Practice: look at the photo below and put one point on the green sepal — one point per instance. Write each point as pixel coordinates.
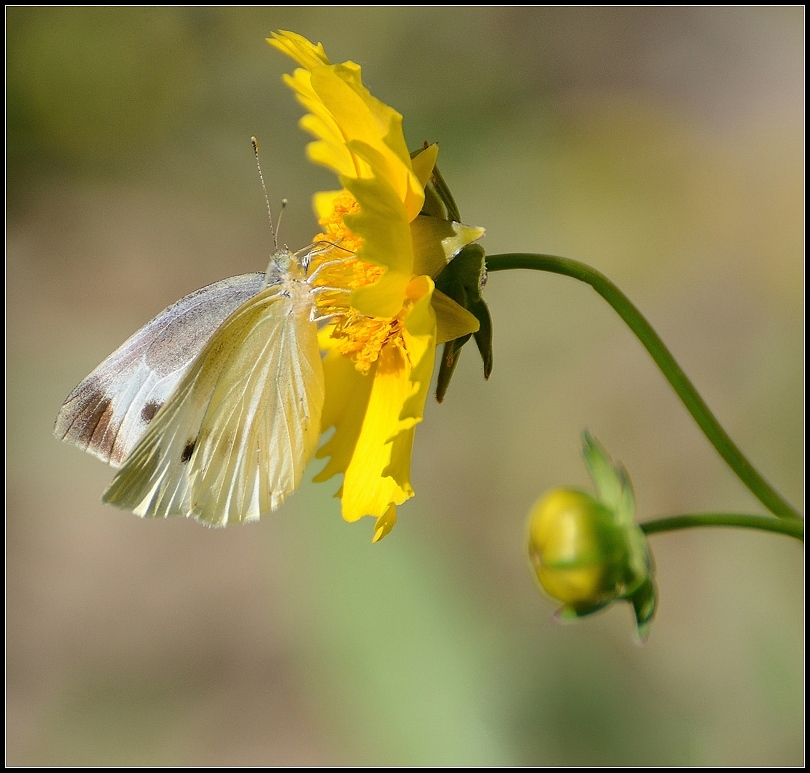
(462, 280)
(644, 601)
(571, 614)
(612, 483)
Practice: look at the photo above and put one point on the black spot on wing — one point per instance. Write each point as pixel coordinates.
(188, 451)
(149, 410)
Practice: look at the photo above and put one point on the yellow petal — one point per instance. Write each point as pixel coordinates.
(392, 169)
(462, 236)
(385, 523)
(358, 135)
(375, 415)
(330, 149)
(383, 298)
(427, 233)
(347, 395)
(298, 48)
(419, 336)
(367, 489)
(436, 241)
(423, 164)
(382, 223)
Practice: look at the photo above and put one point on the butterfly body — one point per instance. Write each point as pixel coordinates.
(213, 408)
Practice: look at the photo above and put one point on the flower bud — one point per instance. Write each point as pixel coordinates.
(588, 552)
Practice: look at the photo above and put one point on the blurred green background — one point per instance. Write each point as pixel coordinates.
(664, 146)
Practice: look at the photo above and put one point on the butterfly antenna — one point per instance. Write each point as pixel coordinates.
(255, 143)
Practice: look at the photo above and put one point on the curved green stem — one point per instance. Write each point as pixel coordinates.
(694, 403)
(788, 526)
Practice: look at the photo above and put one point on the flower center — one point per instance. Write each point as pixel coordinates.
(357, 336)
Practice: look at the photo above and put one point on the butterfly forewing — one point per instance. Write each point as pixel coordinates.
(234, 439)
(108, 413)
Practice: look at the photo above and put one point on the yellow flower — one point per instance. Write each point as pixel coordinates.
(376, 261)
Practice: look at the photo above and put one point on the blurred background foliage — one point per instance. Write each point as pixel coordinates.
(664, 146)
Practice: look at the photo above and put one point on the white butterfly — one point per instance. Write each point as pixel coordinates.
(212, 409)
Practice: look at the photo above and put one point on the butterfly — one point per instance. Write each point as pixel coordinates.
(213, 409)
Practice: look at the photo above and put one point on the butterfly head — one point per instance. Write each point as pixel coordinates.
(285, 266)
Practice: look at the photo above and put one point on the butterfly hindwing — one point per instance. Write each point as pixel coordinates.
(108, 413)
(244, 421)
